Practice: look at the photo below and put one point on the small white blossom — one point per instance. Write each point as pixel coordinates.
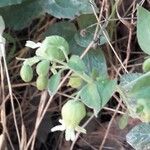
(32, 44)
(69, 132)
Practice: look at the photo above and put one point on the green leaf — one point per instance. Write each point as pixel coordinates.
(86, 20)
(87, 24)
(76, 64)
(123, 121)
(95, 95)
(139, 137)
(143, 30)
(21, 15)
(106, 89)
(90, 96)
(53, 83)
(95, 60)
(135, 89)
(70, 9)
(127, 78)
(64, 29)
(85, 39)
(141, 87)
(4, 3)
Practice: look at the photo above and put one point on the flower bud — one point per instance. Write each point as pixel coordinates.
(72, 113)
(42, 67)
(75, 81)
(53, 47)
(41, 82)
(26, 73)
(146, 65)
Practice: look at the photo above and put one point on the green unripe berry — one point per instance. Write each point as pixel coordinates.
(42, 67)
(26, 73)
(75, 81)
(41, 82)
(146, 65)
(72, 113)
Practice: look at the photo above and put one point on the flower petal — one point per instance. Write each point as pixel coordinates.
(80, 129)
(67, 135)
(58, 128)
(72, 135)
(32, 44)
(61, 121)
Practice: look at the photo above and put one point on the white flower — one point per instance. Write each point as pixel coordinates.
(32, 44)
(69, 132)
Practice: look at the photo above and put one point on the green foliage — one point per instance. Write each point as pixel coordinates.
(69, 9)
(64, 29)
(141, 87)
(95, 95)
(143, 32)
(84, 39)
(127, 78)
(135, 89)
(65, 38)
(90, 96)
(76, 64)
(95, 60)
(106, 88)
(21, 15)
(53, 83)
(86, 21)
(4, 3)
(138, 137)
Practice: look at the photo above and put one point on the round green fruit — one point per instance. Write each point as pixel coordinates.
(72, 113)
(42, 67)
(53, 47)
(26, 73)
(41, 82)
(75, 81)
(146, 65)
